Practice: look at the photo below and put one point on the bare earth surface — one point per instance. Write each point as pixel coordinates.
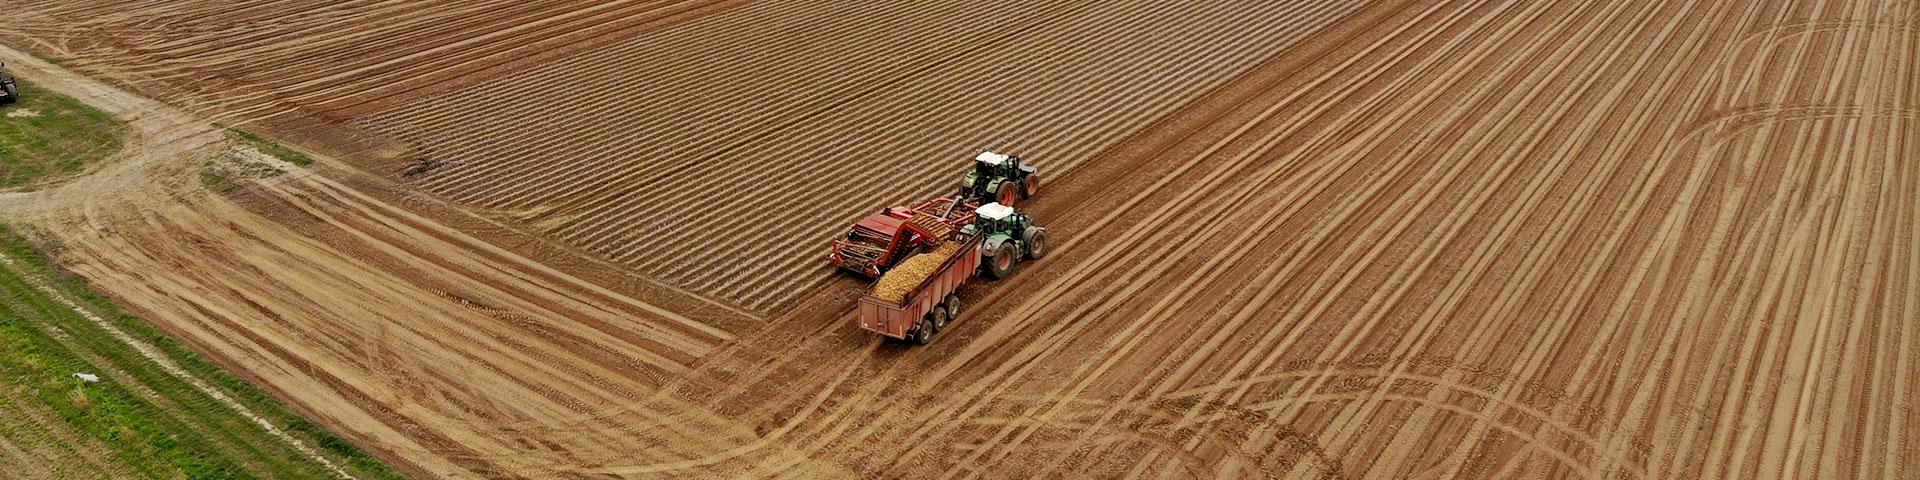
(1404, 238)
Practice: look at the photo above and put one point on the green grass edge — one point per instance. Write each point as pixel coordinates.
(135, 427)
(67, 118)
(273, 148)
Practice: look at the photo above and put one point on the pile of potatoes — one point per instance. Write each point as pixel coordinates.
(898, 282)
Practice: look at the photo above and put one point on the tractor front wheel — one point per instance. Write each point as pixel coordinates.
(1000, 263)
(1035, 240)
(1029, 187)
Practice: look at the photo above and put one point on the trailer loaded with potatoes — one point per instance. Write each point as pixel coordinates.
(918, 298)
(921, 257)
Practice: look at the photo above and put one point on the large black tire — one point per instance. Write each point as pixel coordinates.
(12, 95)
(1001, 261)
(939, 318)
(1005, 193)
(953, 306)
(1035, 242)
(922, 335)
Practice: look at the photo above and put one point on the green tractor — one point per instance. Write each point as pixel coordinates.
(1004, 179)
(1006, 239)
(9, 92)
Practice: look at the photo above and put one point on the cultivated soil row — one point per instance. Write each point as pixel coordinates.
(1398, 239)
(722, 167)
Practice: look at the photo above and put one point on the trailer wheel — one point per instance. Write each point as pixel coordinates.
(953, 307)
(938, 318)
(1035, 241)
(1000, 264)
(921, 335)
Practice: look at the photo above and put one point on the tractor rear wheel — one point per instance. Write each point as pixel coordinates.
(1035, 240)
(1000, 264)
(1005, 193)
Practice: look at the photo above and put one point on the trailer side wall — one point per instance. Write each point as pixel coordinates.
(895, 320)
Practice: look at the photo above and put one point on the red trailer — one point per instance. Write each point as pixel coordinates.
(928, 307)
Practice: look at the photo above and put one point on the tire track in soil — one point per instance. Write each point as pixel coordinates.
(1191, 191)
(783, 236)
(760, 369)
(1671, 256)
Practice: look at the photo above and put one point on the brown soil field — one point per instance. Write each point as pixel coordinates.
(1392, 239)
(826, 109)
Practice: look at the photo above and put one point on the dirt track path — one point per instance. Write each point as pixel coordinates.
(1441, 238)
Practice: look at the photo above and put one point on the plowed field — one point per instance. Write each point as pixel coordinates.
(1393, 239)
(635, 150)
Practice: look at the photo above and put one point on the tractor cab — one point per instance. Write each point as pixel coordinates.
(1007, 238)
(996, 217)
(1000, 178)
(9, 92)
(990, 164)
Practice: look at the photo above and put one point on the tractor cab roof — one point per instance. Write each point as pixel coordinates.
(994, 211)
(991, 158)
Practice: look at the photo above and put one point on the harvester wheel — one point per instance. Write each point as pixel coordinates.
(1035, 239)
(953, 307)
(1000, 264)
